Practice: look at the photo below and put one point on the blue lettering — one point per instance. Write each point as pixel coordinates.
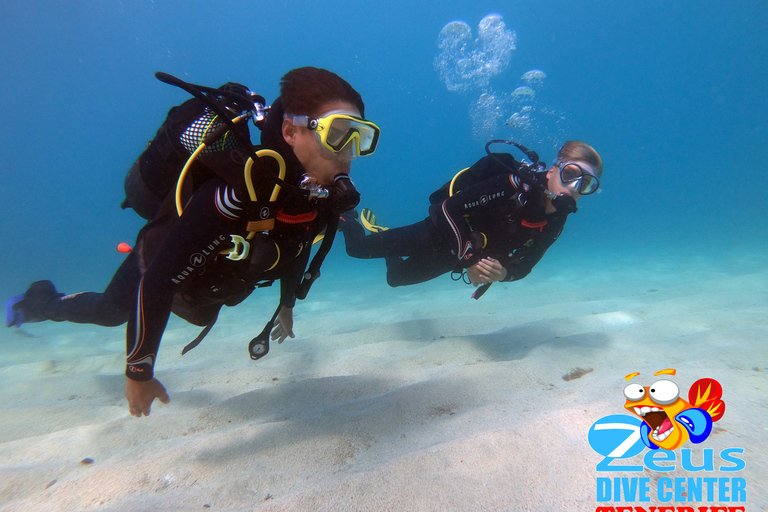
(629, 486)
(663, 494)
(710, 481)
(738, 489)
(694, 489)
(645, 489)
(722, 489)
(708, 463)
(603, 489)
(726, 456)
(632, 488)
(679, 489)
(651, 457)
(605, 465)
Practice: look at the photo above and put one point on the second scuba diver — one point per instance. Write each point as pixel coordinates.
(494, 220)
(270, 202)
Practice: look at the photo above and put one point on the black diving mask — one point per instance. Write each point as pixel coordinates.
(578, 177)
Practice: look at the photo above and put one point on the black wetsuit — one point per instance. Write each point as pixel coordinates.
(177, 263)
(509, 214)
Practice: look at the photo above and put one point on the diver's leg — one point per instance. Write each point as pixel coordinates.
(108, 309)
(392, 243)
(112, 307)
(418, 268)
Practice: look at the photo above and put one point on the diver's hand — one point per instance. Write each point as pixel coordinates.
(283, 325)
(486, 271)
(141, 394)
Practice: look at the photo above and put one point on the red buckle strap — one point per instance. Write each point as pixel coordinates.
(296, 219)
(539, 225)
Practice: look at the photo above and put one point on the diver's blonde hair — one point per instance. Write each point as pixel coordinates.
(575, 150)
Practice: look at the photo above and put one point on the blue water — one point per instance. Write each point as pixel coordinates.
(669, 93)
(664, 267)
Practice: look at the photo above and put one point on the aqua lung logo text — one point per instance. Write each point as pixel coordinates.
(264, 213)
(483, 200)
(198, 259)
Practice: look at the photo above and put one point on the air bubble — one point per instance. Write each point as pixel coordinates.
(464, 63)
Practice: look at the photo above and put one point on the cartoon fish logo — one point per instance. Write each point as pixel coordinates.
(668, 420)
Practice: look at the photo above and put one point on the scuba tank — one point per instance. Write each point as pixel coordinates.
(156, 172)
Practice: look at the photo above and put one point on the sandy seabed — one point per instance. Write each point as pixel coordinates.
(409, 399)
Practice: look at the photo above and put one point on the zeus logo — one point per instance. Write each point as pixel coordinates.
(616, 437)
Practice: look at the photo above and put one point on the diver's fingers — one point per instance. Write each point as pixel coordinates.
(490, 267)
(280, 333)
(485, 270)
(286, 334)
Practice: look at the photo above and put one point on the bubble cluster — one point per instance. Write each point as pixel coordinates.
(534, 76)
(485, 114)
(517, 115)
(465, 63)
(524, 92)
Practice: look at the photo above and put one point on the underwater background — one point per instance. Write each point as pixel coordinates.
(411, 398)
(671, 94)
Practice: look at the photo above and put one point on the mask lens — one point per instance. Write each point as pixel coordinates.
(588, 185)
(344, 129)
(587, 182)
(570, 172)
(339, 132)
(368, 139)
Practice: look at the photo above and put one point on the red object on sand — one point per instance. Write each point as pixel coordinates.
(123, 247)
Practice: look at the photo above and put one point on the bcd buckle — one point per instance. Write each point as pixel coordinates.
(241, 249)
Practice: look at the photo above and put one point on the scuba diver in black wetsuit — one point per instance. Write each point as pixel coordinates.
(494, 220)
(270, 202)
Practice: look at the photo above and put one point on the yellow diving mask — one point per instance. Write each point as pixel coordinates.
(336, 131)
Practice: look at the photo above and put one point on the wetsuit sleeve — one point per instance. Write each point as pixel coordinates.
(523, 259)
(450, 215)
(188, 250)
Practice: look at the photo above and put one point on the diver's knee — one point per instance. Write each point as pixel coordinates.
(394, 280)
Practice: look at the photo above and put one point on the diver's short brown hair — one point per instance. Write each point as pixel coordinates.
(305, 90)
(575, 150)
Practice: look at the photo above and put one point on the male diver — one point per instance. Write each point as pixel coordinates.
(239, 216)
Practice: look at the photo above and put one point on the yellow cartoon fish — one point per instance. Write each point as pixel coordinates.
(664, 413)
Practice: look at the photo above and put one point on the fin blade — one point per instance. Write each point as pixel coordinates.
(368, 220)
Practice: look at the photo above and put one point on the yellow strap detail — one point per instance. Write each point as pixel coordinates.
(254, 226)
(248, 175)
(185, 170)
(207, 127)
(277, 259)
(450, 188)
(259, 225)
